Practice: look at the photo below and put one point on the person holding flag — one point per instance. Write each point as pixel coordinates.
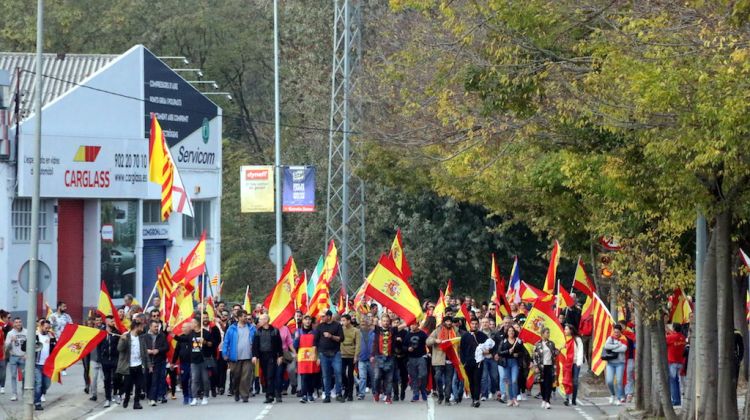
(443, 367)
(45, 344)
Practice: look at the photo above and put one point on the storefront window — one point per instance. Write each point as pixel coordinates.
(118, 234)
(21, 219)
(152, 212)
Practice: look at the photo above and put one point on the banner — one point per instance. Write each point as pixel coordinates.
(299, 189)
(256, 189)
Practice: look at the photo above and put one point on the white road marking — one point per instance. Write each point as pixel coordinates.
(583, 414)
(430, 408)
(103, 412)
(265, 412)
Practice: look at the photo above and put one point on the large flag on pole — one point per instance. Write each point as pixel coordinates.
(541, 315)
(679, 312)
(582, 281)
(439, 311)
(76, 341)
(498, 295)
(398, 256)
(603, 326)
(386, 285)
(554, 260)
(163, 171)
(320, 301)
(280, 302)
(330, 264)
(312, 281)
(193, 266)
(107, 308)
(514, 288)
(247, 304)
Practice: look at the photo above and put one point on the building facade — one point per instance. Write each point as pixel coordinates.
(99, 216)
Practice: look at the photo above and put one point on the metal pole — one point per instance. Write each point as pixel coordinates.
(700, 256)
(277, 138)
(345, 167)
(28, 383)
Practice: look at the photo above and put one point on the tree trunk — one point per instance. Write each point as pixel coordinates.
(640, 369)
(646, 363)
(706, 335)
(739, 288)
(727, 386)
(688, 401)
(660, 366)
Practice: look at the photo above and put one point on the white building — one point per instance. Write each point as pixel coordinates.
(99, 214)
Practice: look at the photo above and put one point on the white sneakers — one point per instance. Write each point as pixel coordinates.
(547, 406)
(43, 398)
(2, 390)
(14, 397)
(193, 401)
(204, 401)
(152, 403)
(106, 403)
(618, 402)
(611, 399)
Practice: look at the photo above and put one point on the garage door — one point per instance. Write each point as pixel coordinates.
(70, 257)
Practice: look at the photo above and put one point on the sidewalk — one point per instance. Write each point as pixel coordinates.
(64, 401)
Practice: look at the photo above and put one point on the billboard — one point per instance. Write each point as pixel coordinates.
(298, 189)
(87, 167)
(256, 189)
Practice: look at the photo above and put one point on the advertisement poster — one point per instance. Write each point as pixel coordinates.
(256, 189)
(299, 189)
(119, 221)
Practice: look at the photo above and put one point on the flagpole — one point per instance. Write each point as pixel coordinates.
(153, 290)
(277, 138)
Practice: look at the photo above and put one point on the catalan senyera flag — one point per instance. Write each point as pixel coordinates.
(215, 280)
(247, 304)
(386, 285)
(603, 326)
(440, 306)
(106, 308)
(582, 281)
(280, 302)
(541, 315)
(75, 342)
(193, 266)
(320, 301)
(341, 305)
(164, 283)
(451, 349)
(679, 312)
(163, 171)
(330, 264)
(398, 256)
(514, 288)
(554, 260)
(499, 293)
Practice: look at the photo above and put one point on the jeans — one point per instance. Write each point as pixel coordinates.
(444, 380)
(347, 366)
(458, 387)
(490, 377)
(41, 383)
(108, 373)
(576, 373)
(510, 372)
(2, 370)
(185, 381)
(501, 380)
(630, 373)
(331, 366)
(674, 382)
(199, 379)
(97, 368)
(14, 364)
(400, 376)
(384, 367)
(365, 371)
(614, 371)
(157, 379)
(417, 367)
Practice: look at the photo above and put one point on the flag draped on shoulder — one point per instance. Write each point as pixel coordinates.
(386, 285)
(603, 326)
(582, 281)
(554, 260)
(76, 341)
(280, 302)
(106, 308)
(398, 256)
(163, 171)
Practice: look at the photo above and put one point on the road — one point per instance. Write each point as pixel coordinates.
(362, 410)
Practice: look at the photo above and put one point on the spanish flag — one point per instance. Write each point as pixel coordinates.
(439, 311)
(529, 293)
(182, 308)
(550, 280)
(398, 256)
(463, 312)
(449, 289)
(330, 264)
(300, 293)
(280, 302)
(603, 326)
(386, 285)
(680, 309)
(451, 349)
(193, 266)
(564, 299)
(582, 281)
(106, 308)
(247, 304)
(163, 171)
(542, 315)
(76, 341)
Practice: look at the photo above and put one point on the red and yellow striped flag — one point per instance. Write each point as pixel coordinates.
(549, 281)
(498, 295)
(603, 326)
(107, 308)
(321, 300)
(163, 171)
(76, 341)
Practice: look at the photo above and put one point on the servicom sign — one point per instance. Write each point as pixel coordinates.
(187, 117)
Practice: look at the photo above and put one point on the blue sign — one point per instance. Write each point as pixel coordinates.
(299, 189)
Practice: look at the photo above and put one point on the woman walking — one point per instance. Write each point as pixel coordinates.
(572, 334)
(512, 353)
(545, 356)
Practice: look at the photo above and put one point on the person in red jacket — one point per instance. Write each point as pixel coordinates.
(676, 358)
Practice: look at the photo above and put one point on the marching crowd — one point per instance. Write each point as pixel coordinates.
(339, 358)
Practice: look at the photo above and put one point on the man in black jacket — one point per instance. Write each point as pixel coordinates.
(469, 343)
(267, 347)
(328, 338)
(107, 356)
(157, 351)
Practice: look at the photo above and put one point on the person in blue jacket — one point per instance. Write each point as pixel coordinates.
(238, 352)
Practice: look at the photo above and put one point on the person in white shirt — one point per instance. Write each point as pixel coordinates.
(45, 343)
(13, 342)
(572, 334)
(133, 362)
(59, 319)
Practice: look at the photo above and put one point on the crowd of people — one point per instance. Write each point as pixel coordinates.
(335, 357)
